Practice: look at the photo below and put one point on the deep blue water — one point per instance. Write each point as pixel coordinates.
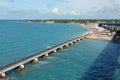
(87, 60)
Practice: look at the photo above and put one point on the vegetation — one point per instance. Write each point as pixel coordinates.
(81, 21)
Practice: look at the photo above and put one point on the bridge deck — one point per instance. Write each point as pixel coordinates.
(14, 65)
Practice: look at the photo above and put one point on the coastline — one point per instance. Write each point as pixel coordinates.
(97, 32)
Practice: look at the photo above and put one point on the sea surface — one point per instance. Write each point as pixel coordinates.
(86, 60)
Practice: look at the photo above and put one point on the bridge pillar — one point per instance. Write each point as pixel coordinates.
(21, 67)
(78, 40)
(84, 37)
(67, 45)
(70, 44)
(45, 55)
(54, 51)
(35, 60)
(60, 48)
(81, 38)
(74, 42)
(2, 75)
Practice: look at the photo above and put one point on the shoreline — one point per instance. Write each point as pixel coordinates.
(97, 33)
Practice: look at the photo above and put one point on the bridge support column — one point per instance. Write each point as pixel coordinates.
(61, 48)
(2, 75)
(78, 40)
(54, 51)
(74, 42)
(45, 55)
(35, 60)
(70, 44)
(67, 45)
(81, 38)
(21, 67)
(84, 37)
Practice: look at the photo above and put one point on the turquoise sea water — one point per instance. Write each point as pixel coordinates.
(19, 39)
(87, 60)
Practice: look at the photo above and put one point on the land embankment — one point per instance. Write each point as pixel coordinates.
(98, 32)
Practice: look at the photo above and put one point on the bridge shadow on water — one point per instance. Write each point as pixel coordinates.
(103, 68)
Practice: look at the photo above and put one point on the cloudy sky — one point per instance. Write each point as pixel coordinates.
(59, 9)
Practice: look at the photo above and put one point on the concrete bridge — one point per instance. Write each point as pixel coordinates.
(20, 64)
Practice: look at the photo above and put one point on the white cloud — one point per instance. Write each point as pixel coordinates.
(76, 13)
(64, 12)
(56, 11)
(62, 8)
(112, 9)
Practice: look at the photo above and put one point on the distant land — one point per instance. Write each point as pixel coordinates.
(79, 21)
(111, 25)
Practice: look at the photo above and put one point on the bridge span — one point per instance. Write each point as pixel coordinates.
(20, 64)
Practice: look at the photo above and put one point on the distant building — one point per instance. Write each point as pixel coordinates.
(50, 22)
(110, 26)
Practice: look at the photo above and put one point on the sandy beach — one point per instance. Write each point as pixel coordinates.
(97, 32)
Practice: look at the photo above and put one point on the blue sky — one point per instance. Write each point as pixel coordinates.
(59, 9)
